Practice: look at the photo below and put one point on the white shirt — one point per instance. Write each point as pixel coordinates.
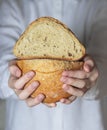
(88, 20)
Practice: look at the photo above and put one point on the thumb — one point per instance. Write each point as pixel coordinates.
(15, 71)
(88, 64)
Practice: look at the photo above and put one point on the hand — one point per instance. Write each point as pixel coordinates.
(17, 83)
(77, 82)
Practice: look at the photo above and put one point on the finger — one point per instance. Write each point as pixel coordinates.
(12, 80)
(19, 84)
(35, 101)
(74, 82)
(17, 91)
(78, 83)
(51, 104)
(88, 65)
(15, 71)
(69, 100)
(72, 90)
(80, 74)
(94, 75)
(28, 91)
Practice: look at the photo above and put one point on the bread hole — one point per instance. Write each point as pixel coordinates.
(54, 34)
(76, 50)
(54, 46)
(74, 45)
(19, 51)
(47, 23)
(80, 50)
(70, 54)
(63, 56)
(34, 49)
(45, 39)
(21, 54)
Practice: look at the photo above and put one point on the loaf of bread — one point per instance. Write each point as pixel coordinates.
(48, 47)
(48, 73)
(48, 38)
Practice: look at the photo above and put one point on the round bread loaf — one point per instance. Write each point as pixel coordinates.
(48, 47)
(48, 73)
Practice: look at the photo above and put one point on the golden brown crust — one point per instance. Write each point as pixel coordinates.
(48, 73)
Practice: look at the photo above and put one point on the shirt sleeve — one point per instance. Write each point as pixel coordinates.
(11, 27)
(96, 39)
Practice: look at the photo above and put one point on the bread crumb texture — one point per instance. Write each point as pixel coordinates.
(47, 37)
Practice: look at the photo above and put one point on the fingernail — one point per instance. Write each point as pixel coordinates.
(62, 100)
(64, 73)
(40, 97)
(53, 105)
(87, 68)
(62, 79)
(30, 74)
(17, 73)
(34, 85)
(65, 87)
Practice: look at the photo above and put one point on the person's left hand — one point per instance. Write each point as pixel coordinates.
(77, 82)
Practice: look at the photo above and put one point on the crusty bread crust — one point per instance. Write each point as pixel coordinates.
(48, 41)
(48, 47)
(48, 73)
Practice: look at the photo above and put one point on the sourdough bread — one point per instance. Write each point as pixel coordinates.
(48, 47)
(47, 37)
(48, 73)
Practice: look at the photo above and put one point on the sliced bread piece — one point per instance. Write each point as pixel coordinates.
(47, 37)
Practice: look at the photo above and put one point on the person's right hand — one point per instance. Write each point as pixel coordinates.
(17, 82)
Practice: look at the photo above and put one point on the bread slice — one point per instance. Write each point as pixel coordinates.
(47, 37)
(48, 73)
